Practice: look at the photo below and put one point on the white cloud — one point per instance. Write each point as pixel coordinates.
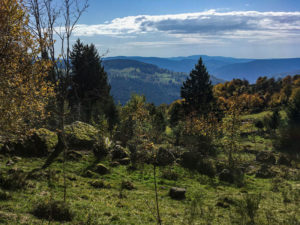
(207, 23)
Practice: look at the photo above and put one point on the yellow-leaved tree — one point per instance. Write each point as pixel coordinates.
(24, 90)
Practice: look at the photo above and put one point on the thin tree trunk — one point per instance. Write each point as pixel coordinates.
(156, 196)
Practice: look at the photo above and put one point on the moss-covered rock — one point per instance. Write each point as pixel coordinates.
(101, 169)
(81, 135)
(40, 143)
(164, 157)
(48, 137)
(118, 152)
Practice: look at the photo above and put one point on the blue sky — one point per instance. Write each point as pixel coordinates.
(164, 28)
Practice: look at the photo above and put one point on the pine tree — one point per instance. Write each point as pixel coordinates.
(274, 120)
(289, 140)
(197, 90)
(90, 94)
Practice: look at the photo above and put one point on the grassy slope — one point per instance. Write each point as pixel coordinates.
(104, 206)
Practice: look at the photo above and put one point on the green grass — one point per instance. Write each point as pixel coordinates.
(262, 115)
(104, 206)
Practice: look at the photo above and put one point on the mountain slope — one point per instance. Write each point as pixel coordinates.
(225, 68)
(158, 85)
(184, 64)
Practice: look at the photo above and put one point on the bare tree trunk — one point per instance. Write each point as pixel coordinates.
(156, 195)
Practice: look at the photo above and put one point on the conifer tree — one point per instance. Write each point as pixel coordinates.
(289, 140)
(197, 90)
(90, 89)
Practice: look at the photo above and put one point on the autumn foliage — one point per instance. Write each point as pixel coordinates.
(24, 91)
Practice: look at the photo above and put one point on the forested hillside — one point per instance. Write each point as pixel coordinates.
(128, 77)
(226, 68)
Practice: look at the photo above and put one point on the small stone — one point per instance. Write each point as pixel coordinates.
(74, 155)
(127, 185)
(125, 161)
(16, 158)
(89, 174)
(101, 169)
(226, 176)
(114, 164)
(119, 152)
(177, 193)
(266, 157)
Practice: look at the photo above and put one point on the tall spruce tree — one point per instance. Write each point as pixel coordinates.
(90, 93)
(289, 140)
(197, 90)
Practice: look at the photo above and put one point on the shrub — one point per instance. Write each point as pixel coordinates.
(13, 181)
(99, 184)
(248, 207)
(170, 175)
(127, 185)
(53, 210)
(206, 167)
(100, 150)
(4, 195)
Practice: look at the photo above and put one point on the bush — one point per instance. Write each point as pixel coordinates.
(289, 139)
(16, 179)
(99, 184)
(127, 185)
(4, 195)
(170, 175)
(206, 167)
(248, 207)
(100, 150)
(53, 210)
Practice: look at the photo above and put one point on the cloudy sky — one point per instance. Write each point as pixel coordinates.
(166, 28)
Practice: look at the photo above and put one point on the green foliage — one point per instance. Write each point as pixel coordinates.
(4, 195)
(247, 208)
(89, 95)
(273, 122)
(197, 90)
(289, 140)
(15, 180)
(53, 210)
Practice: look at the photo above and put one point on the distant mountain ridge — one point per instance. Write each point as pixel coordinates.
(262, 67)
(225, 68)
(184, 64)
